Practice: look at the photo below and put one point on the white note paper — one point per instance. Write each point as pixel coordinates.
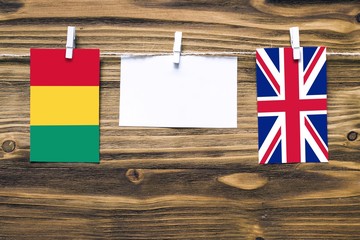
(200, 92)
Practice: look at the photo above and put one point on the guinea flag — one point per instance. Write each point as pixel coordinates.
(64, 105)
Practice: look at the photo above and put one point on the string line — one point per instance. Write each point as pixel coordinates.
(129, 54)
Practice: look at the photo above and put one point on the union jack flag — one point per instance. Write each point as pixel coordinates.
(292, 108)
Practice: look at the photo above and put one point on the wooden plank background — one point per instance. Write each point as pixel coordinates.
(179, 183)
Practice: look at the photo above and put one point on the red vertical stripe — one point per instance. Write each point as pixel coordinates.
(292, 113)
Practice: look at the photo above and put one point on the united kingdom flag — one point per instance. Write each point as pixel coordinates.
(292, 108)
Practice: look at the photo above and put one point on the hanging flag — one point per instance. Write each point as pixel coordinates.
(64, 105)
(292, 108)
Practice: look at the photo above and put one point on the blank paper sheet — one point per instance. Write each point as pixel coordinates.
(200, 92)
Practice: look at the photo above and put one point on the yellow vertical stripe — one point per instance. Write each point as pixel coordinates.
(63, 105)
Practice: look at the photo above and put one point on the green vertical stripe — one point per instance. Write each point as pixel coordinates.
(64, 143)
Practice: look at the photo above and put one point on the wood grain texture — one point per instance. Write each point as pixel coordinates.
(166, 183)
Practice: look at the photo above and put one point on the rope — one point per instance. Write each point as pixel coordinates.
(127, 54)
